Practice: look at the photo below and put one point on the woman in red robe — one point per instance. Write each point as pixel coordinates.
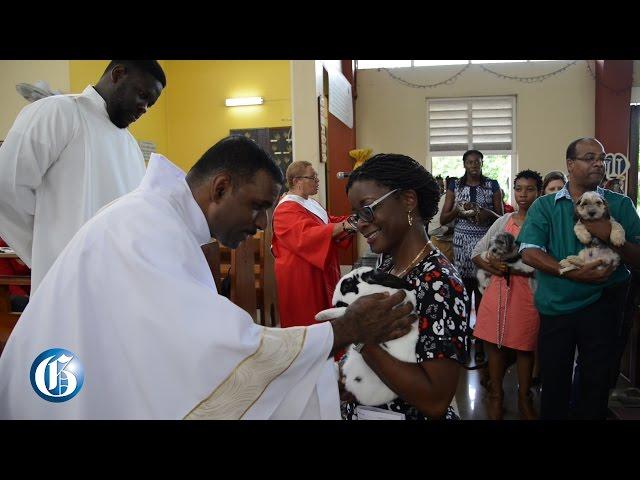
(305, 246)
(18, 294)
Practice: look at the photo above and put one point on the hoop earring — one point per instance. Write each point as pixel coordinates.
(410, 218)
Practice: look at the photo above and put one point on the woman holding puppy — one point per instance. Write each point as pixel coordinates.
(507, 319)
(474, 202)
(393, 198)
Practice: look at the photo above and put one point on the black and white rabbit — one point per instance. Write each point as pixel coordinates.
(360, 380)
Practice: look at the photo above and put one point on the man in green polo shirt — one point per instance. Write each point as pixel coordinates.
(583, 307)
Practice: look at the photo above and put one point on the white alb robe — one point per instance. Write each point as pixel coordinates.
(61, 162)
(133, 297)
(308, 203)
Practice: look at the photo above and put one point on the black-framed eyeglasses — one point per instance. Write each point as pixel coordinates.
(366, 213)
(315, 177)
(591, 158)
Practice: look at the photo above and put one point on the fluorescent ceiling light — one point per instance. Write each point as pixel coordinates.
(364, 64)
(435, 63)
(497, 61)
(241, 101)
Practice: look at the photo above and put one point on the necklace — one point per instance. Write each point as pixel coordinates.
(501, 328)
(420, 253)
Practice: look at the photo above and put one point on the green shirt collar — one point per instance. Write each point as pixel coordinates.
(564, 193)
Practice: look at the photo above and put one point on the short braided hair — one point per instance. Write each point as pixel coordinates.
(402, 172)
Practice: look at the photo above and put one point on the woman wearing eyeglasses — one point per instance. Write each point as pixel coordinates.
(305, 246)
(393, 198)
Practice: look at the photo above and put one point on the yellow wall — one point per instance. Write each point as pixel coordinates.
(392, 117)
(196, 115)
(12, 72)
(152, 126)
(190, 115)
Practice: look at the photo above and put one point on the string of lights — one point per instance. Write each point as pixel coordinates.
(448, 81)
(532, 79)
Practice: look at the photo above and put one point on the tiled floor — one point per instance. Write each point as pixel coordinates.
(471, 398)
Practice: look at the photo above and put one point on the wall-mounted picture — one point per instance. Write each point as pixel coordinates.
(275, 140)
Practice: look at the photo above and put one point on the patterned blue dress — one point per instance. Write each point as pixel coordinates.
(466, 234)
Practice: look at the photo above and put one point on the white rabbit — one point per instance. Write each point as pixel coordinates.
(360, 380)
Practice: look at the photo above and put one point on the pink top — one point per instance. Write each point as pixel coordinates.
(508, 312)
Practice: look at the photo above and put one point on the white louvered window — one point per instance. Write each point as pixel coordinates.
(482, 123)
(455, 125)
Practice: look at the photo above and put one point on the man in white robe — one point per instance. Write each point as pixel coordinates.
(133, 300)
(67, 156)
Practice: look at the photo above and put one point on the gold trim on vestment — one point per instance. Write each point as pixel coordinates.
(244, 386)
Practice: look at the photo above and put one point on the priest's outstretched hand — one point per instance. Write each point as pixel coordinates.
(373, 319)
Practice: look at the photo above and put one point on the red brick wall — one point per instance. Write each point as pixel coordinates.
(614, 79)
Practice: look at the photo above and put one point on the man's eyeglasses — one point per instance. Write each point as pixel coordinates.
(591, 158)
(366, 213)
(315, 177)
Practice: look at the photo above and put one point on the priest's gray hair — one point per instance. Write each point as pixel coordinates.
(237, 155)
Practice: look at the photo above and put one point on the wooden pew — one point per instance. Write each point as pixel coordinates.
(243, 276)
(251, 267)
(212, 254)
(268, 293)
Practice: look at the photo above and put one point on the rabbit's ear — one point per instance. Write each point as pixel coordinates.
(330, 314)
(379, 277)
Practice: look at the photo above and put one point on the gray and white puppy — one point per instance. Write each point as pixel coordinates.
(503, 246)
(591, 206)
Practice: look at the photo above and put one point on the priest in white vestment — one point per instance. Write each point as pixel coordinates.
(145, 335)
(67, 156)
